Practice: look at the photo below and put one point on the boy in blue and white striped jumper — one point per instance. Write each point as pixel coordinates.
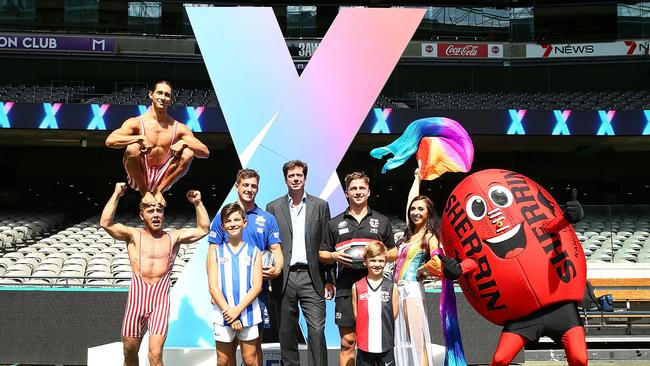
(235, 281)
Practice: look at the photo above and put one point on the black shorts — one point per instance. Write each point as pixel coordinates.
(379, 359)
(552, 321)
(344, 316)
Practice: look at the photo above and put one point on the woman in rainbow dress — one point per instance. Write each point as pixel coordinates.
(440, 145)
(419, 245)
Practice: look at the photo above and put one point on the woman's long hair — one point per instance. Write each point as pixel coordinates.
(432, 225)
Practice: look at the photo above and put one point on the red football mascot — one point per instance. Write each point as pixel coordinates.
(517, 260)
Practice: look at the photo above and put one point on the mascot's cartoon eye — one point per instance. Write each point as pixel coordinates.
(476, 208)
(501, 196)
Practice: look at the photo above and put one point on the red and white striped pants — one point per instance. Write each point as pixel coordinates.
(152, 175)
(148, 305)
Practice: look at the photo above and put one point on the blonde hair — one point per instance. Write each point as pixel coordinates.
(144, 205)
(373, 249)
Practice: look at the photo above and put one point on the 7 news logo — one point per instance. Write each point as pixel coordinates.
(637, 47)
(567, 49)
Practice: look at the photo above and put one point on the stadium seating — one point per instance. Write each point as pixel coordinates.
(80, 255)
(622, 237)
(44, 94)
(588, 100)
(139, 96)
(583, 100)
(579, 100)
(25, 228)
(36, 252)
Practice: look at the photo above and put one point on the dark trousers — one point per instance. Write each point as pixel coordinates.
(375, 359)
(300, 289)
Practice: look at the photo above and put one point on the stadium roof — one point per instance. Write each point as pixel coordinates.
(482, 3)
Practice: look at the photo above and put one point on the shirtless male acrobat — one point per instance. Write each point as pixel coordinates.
(158, 149)
(151, 252)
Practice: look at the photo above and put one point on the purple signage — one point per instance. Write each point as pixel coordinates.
(32, 42)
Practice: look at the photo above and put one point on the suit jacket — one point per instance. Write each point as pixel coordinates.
(317, 215)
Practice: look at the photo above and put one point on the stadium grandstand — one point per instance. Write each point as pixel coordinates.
(577, 100)
(556, 90)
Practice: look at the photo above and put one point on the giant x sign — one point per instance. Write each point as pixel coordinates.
(274, 115)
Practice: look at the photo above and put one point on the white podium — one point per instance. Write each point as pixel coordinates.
(111, 355)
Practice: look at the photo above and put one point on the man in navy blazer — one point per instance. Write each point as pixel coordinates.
(301, 219)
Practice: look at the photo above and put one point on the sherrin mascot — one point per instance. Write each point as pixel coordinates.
(517, 259)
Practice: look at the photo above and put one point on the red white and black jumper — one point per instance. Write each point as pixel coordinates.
(375, 326)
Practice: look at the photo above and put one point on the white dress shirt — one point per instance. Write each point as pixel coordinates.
(298, 250)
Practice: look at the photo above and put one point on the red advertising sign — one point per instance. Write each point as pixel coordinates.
(462, 50)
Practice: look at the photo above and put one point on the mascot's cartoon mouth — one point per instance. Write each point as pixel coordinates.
(509, 244)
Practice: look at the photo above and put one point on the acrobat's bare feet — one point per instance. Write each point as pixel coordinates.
(158, 196)
(149, 199)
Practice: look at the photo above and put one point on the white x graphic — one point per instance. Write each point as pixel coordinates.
(274, 115)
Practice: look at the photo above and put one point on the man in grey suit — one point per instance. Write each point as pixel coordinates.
(301, 218)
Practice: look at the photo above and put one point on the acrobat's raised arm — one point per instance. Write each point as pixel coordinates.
(116, 230)
(186, 236)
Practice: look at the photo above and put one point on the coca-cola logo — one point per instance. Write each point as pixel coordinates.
(466, 51)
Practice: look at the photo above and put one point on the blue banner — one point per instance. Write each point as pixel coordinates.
(73, 116)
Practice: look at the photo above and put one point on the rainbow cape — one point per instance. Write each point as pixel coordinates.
(442, 146)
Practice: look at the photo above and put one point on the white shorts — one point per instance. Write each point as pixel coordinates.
(224, 333)
(409, 289)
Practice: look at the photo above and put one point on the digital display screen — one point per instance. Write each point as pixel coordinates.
(106, 117)
(518, 122)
